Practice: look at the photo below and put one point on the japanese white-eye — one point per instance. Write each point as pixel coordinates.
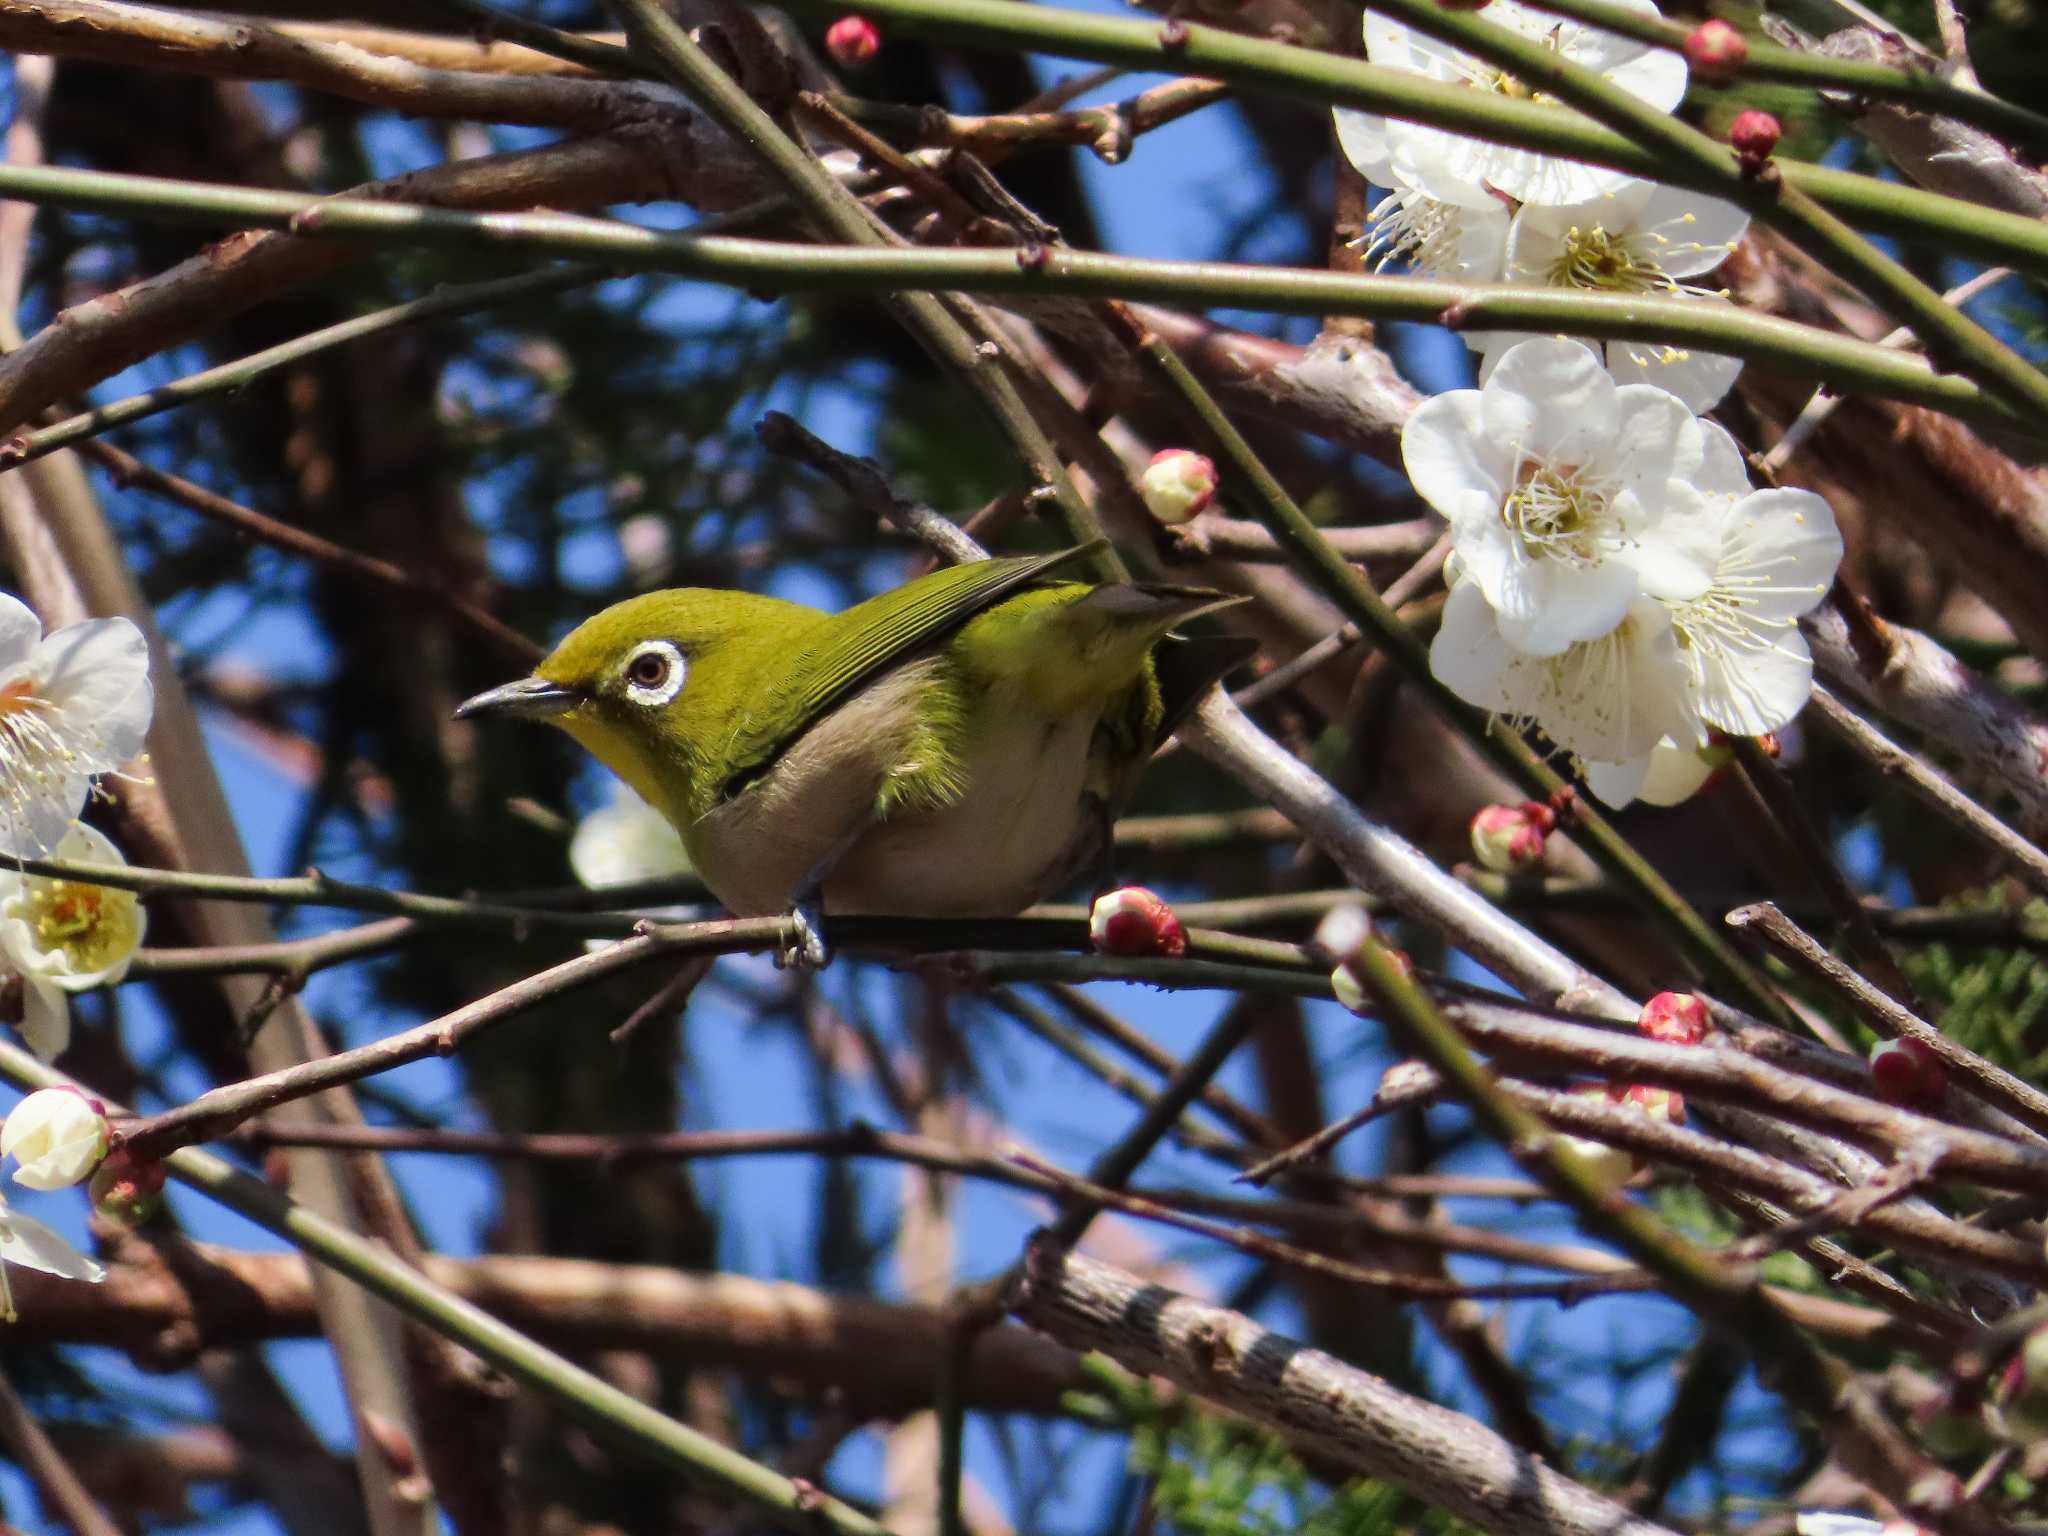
(957, 747)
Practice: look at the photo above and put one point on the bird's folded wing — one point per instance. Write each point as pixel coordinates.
(873, 636)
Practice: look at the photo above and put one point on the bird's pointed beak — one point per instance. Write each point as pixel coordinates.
(533, 698)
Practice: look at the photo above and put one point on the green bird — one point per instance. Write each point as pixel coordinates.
(957, 747)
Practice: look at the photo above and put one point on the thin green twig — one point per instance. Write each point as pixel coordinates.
(1771, 61)
(1308, 75)
(1848, 364)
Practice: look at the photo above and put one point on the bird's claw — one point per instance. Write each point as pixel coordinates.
(806, 949)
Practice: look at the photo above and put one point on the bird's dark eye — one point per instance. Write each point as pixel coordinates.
(653, 673)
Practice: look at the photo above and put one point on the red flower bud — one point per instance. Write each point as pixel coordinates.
(127, 1190)
(1134, 921)
(1676, 1018)
(852, 41)
(1716, 51)
(1178, 485)
(1753, 135)
(1508, 839)
(1907, 1072)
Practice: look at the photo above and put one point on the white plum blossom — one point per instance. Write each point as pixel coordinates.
(1607, 699)
(57, 1136)
(31, 1244)
(1450, 166)
(64, 936)
(1555, 481)
(74, 704)
(1641, 238)
(1616, 581)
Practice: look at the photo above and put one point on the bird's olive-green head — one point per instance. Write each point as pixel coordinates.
(656, 687)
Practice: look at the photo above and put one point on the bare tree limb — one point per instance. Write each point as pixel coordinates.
(1333, 1411)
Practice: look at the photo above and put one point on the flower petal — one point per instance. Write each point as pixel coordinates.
(1655, 438)
(1692, 232)
(1755, 687)
(1678, 773)
(1724, 470)
(1468, 655)
(1363, 138)
(27, 1242)
(1779, 553)
(1655, 75)
(97, 674)
(1616, 784)
(45, 1018)
(1699, 379)
(35, 815)
(1550, 400)
(1614, 698)
(1451, 458)
(20, 629)
(1566, 604)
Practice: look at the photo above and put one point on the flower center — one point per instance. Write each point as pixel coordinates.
(1598, 259)
(92, 926)
(1556, 513)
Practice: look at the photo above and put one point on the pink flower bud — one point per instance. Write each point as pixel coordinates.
(126, 1190)
(1753, 135)
(1658, 1103)
(1716, 51)
(1509, 839)
(1676, 1018)
(852, 41)
(1907, 1072)
(1133, 921)
(1177, 485)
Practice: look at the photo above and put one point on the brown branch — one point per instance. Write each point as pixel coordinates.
(64, 1495)
(1987, 1080)
(1333, 1411)
(169, 1304)
(1326, 1221)
(1611, 1276)
(1932, 788)
(1236, 538)
(1940, 153)
(1817, 859)
(1109, 130)
(1904, 674)
(1730, 1074)
(499, 54)
(128, 470)
(147, 37)
(220, 1110)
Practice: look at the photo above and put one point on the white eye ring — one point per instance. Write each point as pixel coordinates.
(654, 673)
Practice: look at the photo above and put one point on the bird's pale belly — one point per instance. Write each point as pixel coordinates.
(991, 853)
